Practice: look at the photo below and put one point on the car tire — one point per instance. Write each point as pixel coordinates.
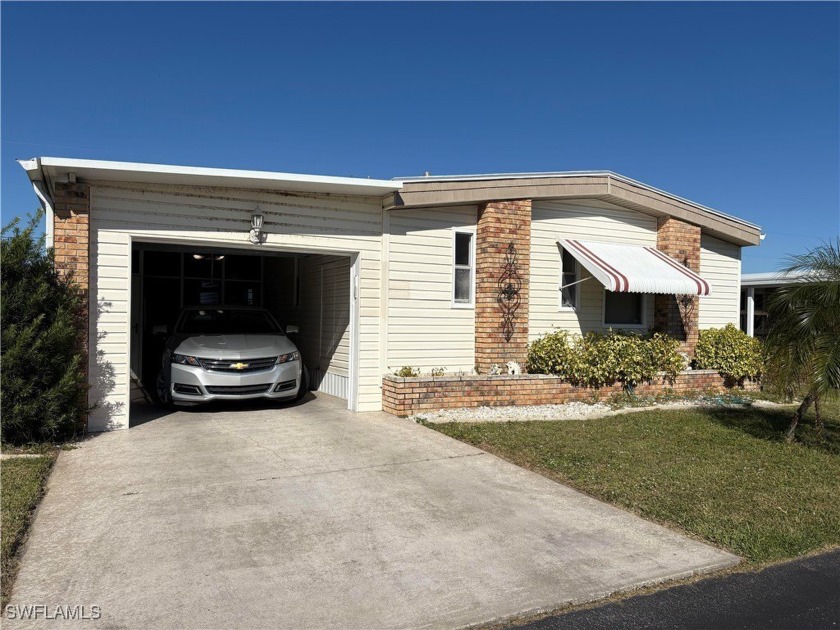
(303, 389)
(162, 395)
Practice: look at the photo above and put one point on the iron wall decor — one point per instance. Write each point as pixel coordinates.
(510, 285)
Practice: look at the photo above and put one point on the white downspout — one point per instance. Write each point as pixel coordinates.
(49, 217)
(38, 178)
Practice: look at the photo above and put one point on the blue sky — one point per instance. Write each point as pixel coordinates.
(731, 105)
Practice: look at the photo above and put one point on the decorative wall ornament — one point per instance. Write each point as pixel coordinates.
(510, 285)
(687, 305)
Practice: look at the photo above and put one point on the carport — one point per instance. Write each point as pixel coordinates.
(309, 291)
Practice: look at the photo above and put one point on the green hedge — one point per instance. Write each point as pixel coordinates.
(44, 387)
(598, 359)
(730, 351)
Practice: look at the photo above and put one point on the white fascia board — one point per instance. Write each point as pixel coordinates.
(138, 172)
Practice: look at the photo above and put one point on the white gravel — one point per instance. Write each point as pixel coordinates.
(567, 411)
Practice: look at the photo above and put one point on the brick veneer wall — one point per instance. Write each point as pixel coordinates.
(681, 241)
(71, 239)
(499, 224)
(71, 231)
(408, 396)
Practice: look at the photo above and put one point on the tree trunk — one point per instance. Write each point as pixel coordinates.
(817, 417)
(806, 403)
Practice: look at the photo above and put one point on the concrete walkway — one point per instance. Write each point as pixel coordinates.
(314, 517)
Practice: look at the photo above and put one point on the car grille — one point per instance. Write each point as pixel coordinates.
(237, 390)
(224, 365)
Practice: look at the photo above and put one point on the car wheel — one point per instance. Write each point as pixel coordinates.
(162, 395)
(304, 385)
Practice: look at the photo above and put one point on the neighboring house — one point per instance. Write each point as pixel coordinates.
(453, 272)
(756, 288)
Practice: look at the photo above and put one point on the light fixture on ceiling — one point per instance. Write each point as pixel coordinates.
(255, 236)
(198, 256)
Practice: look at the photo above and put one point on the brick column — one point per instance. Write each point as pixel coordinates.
(499, 225)
(71, 241)
(680, 241)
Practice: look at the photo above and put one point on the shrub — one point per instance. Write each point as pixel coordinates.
(43, 383)
(598, 359)
(730, 351)
(552, 354)
(407, 371)
(439, 371)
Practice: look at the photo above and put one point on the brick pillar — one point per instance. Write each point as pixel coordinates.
(500, 224)
(71, 241)
(680, 241)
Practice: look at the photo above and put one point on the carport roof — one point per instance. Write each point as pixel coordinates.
(51, 169)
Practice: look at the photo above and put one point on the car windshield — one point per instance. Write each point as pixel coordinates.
(227, 322)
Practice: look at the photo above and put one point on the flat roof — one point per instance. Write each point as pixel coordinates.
(560, 174)
(771, 278)
(407, 192)
(54, 169)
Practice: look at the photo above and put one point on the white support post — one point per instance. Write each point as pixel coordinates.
(751, 311)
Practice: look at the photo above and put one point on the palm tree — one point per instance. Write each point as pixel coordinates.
(803, 344)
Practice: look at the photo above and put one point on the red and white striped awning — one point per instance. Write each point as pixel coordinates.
(635, 268)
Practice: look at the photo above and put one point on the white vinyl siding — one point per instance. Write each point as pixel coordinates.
(423, 329)
(323, 315)
(329, 223)
(588, 220)
(720, 264)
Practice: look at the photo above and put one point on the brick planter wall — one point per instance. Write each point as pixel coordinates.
(408, 396)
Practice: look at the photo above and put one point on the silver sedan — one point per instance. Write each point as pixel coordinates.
(229, 353)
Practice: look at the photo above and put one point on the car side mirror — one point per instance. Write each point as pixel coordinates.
(292, 330)
(161, 330)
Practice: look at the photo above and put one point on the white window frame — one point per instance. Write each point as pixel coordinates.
(471, 232)
(578, 279)
(642, 326)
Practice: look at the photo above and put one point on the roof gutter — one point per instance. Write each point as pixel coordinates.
(39, 184)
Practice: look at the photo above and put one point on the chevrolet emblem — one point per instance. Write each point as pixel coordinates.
(238, 366)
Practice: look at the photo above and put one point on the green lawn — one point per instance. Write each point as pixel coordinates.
(725, 475)
(21, 487)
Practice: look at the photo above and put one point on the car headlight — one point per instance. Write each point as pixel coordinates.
(184, 359)
(285, 358)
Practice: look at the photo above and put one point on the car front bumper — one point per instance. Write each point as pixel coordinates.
(193, 384)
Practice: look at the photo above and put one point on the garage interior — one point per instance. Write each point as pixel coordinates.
(311, 291)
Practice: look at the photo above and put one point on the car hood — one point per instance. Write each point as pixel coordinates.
(233, 346)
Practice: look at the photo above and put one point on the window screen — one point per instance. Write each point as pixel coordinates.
(623, 309)
(462, 279)
(568, 276)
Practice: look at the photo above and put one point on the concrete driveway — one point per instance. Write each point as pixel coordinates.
(314, 517)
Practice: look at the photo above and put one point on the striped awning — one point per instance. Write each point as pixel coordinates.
(635, 268)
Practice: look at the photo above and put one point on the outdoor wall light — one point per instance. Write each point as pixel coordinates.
(256, 229)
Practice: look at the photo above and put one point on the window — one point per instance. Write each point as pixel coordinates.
(568, 279)
(462, 279)
(624, 309)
